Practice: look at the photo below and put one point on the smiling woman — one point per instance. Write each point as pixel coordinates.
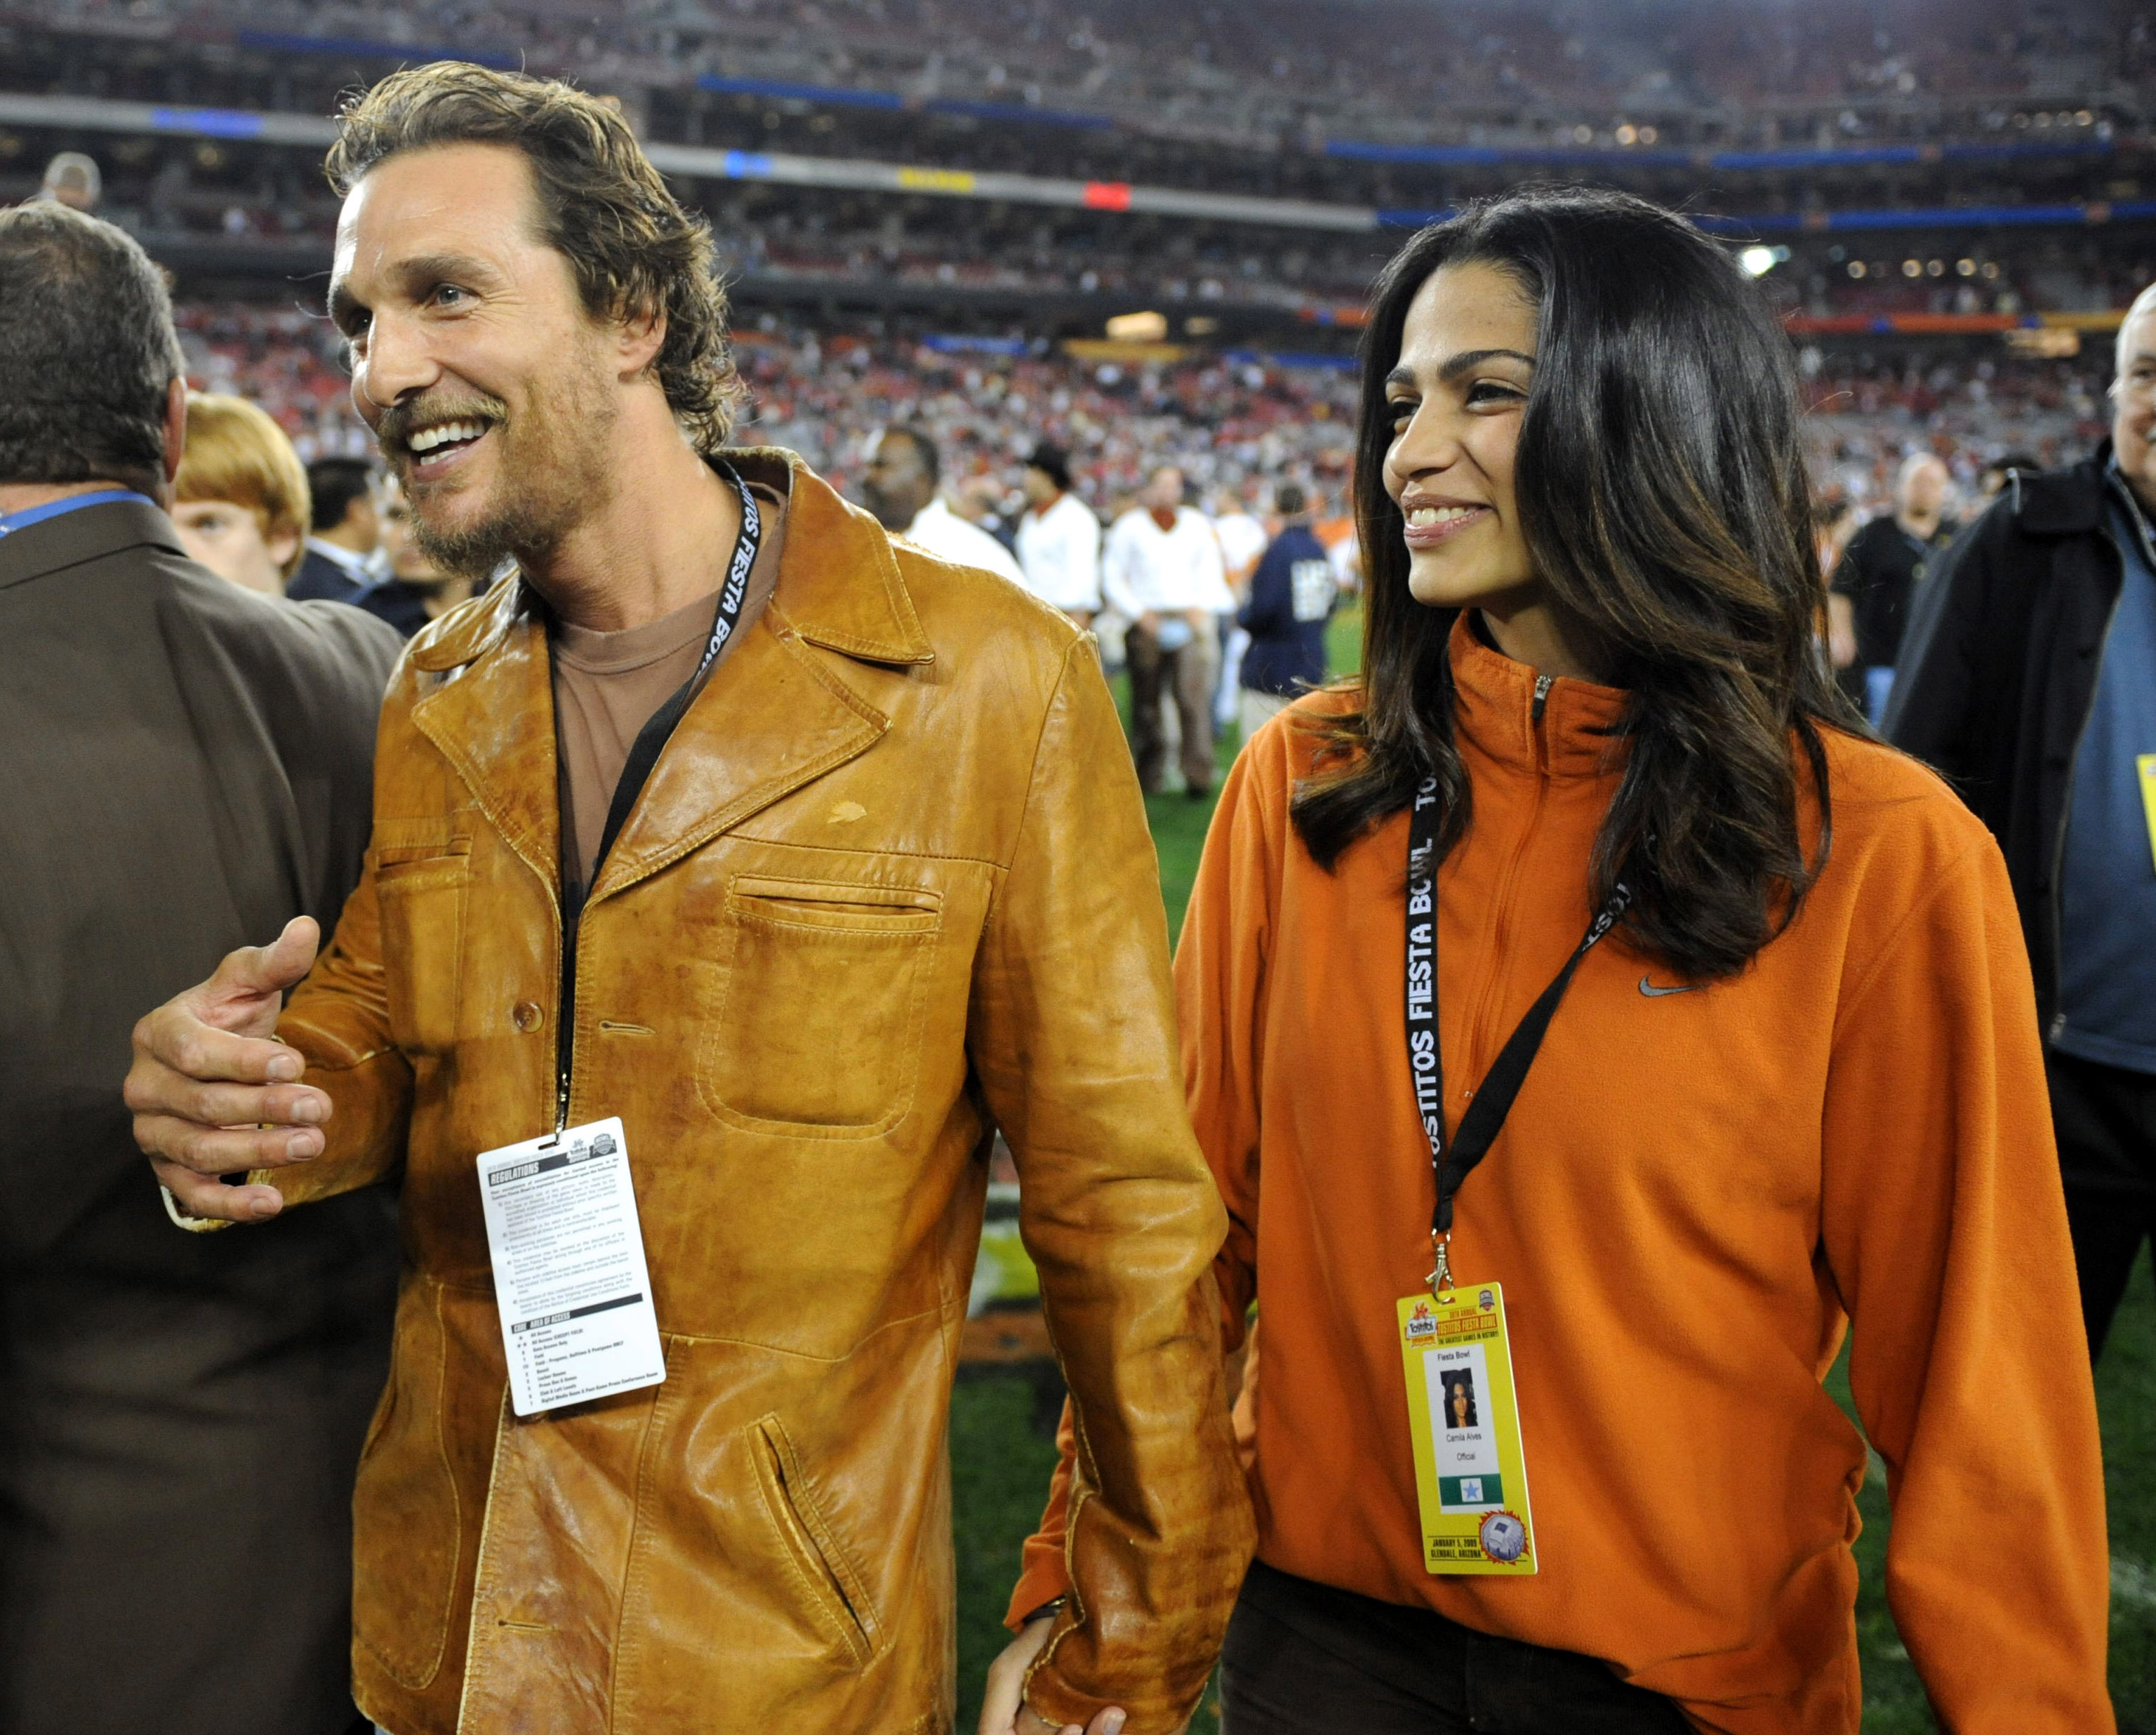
(1656, 536)
(1588, 936)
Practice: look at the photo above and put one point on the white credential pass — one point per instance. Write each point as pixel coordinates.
(569, 1277)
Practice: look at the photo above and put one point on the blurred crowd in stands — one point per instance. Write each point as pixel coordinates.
(1235, 424)
(1283, 71)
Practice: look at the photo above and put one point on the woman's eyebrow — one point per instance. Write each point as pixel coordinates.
(1468, 360)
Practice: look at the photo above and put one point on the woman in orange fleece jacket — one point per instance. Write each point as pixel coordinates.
(1795, 1088)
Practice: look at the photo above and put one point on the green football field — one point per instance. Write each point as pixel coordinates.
(1000, 1464)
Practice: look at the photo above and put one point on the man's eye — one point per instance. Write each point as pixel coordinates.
(447, 294)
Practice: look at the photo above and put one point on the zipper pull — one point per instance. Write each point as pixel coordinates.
(561, 1103)
(1542, 684)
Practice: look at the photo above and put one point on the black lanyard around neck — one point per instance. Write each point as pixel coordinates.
(652, 738)
(1484, 1118)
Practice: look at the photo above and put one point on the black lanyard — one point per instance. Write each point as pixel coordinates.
(652, 738)
(1484, 1118)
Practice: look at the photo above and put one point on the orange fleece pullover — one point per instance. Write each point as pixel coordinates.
(1694, 1195)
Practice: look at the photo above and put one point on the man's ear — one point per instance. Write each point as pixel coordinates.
(640, 334)
(176, 435)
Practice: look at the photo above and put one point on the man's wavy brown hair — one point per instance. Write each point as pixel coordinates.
(601, 207)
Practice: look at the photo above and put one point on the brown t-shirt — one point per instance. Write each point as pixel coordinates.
(608, 684)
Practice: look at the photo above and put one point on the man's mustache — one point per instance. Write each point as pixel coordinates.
(400, 421)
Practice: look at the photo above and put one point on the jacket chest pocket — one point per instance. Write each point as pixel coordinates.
(816, 1029)
(423, 903)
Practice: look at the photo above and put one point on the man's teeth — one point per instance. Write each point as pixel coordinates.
(1424, 516)
(427, 438)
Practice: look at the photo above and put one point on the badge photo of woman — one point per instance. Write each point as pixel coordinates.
(1459, 1399)
(1795, 1093)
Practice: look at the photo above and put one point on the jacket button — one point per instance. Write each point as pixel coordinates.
(528, 1015)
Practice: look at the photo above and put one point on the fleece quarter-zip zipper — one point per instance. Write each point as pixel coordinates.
(1477, 1033)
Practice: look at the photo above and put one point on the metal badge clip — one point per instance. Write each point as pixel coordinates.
(1441, 1277)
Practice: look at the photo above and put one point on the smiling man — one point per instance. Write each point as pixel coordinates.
(668, 881)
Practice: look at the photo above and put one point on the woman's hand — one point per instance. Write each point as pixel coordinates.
(1004, 1709)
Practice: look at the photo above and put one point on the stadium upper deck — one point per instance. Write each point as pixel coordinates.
(1247, 161)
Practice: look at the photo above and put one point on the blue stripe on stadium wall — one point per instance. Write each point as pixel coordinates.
(1937, 217)
(209, 123)
(831, 95)
(1665, 156)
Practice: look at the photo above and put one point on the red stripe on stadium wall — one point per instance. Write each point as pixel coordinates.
(1108, 195)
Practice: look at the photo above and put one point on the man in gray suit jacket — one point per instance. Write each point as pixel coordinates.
(186, 765)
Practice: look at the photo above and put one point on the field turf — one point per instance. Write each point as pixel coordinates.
(1000, 1467)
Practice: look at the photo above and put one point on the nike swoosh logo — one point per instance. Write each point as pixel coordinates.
(1652, 993)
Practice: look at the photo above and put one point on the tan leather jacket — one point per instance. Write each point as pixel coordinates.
(888, 884)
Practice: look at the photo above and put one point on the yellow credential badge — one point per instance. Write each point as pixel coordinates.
(1470, 1475)
(2146, 764)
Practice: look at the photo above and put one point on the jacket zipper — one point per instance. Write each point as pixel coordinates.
(1478, 1033)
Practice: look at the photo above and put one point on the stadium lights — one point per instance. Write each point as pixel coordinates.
(1139, 328)
(1760, 260)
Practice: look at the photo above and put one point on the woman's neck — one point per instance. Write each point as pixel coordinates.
(1536, 634)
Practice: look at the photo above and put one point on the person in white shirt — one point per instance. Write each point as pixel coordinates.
(1242, 539)
(1163, 569)
(901, 486)
(1059, 539)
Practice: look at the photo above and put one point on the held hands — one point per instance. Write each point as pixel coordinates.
(1004, 1709)
(213, 1090)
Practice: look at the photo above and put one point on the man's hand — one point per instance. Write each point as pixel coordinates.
(215, 1094)
(1841, 630)
(1004, 1709)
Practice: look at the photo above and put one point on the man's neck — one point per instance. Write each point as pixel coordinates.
(1165, 516)
(662, 540)
(351, 541)
(1922, 526)
(23, 497)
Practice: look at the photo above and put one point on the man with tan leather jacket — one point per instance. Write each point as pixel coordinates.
(811, 859)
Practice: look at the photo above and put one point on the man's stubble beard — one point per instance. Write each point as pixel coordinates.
(552, 472)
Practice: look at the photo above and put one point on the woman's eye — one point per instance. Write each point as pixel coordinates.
(1484, 391)
(1399, 411)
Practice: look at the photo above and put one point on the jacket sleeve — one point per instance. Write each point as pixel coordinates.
(1072, 1037)
(339, 1019)
(1937, 682)
(1944, 1228)
(1220, 971)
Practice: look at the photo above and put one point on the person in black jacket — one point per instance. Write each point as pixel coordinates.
(1876, 580)
(341, 559)
(187, 766)
(1291, 597)
(2028, 677)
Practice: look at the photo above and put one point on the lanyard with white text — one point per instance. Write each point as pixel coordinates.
(650, 740)
(1484, 1118)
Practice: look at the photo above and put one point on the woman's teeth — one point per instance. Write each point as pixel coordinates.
(1424, 516)
(427, 438)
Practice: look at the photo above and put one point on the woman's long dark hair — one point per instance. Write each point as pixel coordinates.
(1661, 492)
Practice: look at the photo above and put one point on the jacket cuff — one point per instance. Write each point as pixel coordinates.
(1042, 1579)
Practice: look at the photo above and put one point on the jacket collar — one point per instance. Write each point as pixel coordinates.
(773, 716)
(2063, 502)
(90, 533)
(1493, 710)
